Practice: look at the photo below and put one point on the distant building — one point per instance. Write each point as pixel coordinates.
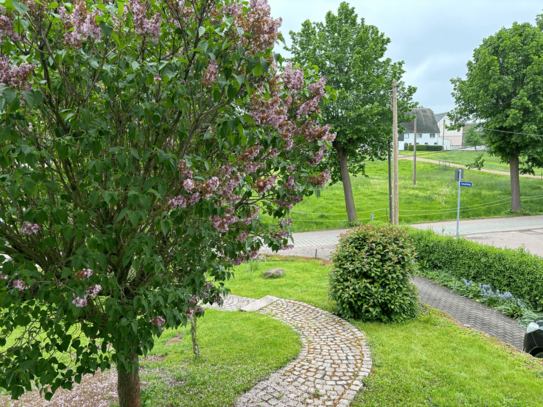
(427, 131)
(456, 137)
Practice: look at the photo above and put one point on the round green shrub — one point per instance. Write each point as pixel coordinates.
(370, 277)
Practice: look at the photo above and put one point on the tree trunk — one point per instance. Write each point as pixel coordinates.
(194, 335)
(347, 188)
(128, 384)
(515, 184)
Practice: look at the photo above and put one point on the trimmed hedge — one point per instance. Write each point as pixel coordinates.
(370, 277)
(513, 270)
(424, 147)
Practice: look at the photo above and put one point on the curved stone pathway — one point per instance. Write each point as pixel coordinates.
(328, 370)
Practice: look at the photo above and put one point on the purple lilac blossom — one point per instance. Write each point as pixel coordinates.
(15, 76)
(30, 228)
(19, 284)
(142, 25)
(293, 78)
(211, 73)
(177, 201)
(188, 184)
(158, 321)
(6, 29)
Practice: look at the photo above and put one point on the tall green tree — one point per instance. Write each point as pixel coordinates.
(473, 138)
(350, 53)
(502, 89)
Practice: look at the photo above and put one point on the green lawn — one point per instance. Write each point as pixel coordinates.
(305, 281)
(434, 198)
(464, 158)
(428, 361)
(237, 349)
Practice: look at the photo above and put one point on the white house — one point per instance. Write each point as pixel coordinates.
(427, 131)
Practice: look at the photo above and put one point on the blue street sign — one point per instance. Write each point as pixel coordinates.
(466, 184)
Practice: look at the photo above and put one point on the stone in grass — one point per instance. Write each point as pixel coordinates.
(274, 273)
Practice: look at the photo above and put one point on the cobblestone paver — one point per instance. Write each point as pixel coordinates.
(470, 312)
(333, 360)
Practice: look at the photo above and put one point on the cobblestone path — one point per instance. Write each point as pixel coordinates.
(328, 370)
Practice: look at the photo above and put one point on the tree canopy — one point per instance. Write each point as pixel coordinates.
(351, 55)
(473, 138)
(502, 91)
(138, 143)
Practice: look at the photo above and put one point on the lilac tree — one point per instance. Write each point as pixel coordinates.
(140, 141)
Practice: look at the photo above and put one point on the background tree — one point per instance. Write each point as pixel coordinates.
(473, 138)
(350, 54)
(502, 91)
(138, 143)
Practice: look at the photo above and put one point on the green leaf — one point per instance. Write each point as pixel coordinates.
(122, 214)
(20, 7)
(135, 326)
(257, 70)
(134, 217)
(201, 31)
(265, 65)
(10, 95)
(232, 92)
(107, 196)
(106, 29)
(33, 98)
(94, 197)
(52, 5)
(248, 118)
(165, 226)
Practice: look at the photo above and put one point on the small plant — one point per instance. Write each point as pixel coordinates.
(370, 277)
(252, 266)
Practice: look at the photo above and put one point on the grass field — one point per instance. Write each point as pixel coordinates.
(428, 361)
(434, 198)
(464, 158)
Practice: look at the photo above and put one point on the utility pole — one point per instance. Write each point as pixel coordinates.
(395, 147)
(390, 217)
(443, 148)
(415, 155)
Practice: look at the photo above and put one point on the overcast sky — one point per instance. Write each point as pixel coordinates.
(434, 38)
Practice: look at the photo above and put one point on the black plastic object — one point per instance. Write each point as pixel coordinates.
(533, 341)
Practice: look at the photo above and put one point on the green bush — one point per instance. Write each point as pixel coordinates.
(424, 147)
(513, 270)
(370, 276)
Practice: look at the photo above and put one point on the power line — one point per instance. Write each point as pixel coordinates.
(512, 132)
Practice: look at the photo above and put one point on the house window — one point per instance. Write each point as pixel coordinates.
(435, 144)
(432, 135)
(425, 144)
(400, 137)
(419, 135)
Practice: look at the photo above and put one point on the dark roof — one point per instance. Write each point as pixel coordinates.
(440, 116)
(426, 122)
